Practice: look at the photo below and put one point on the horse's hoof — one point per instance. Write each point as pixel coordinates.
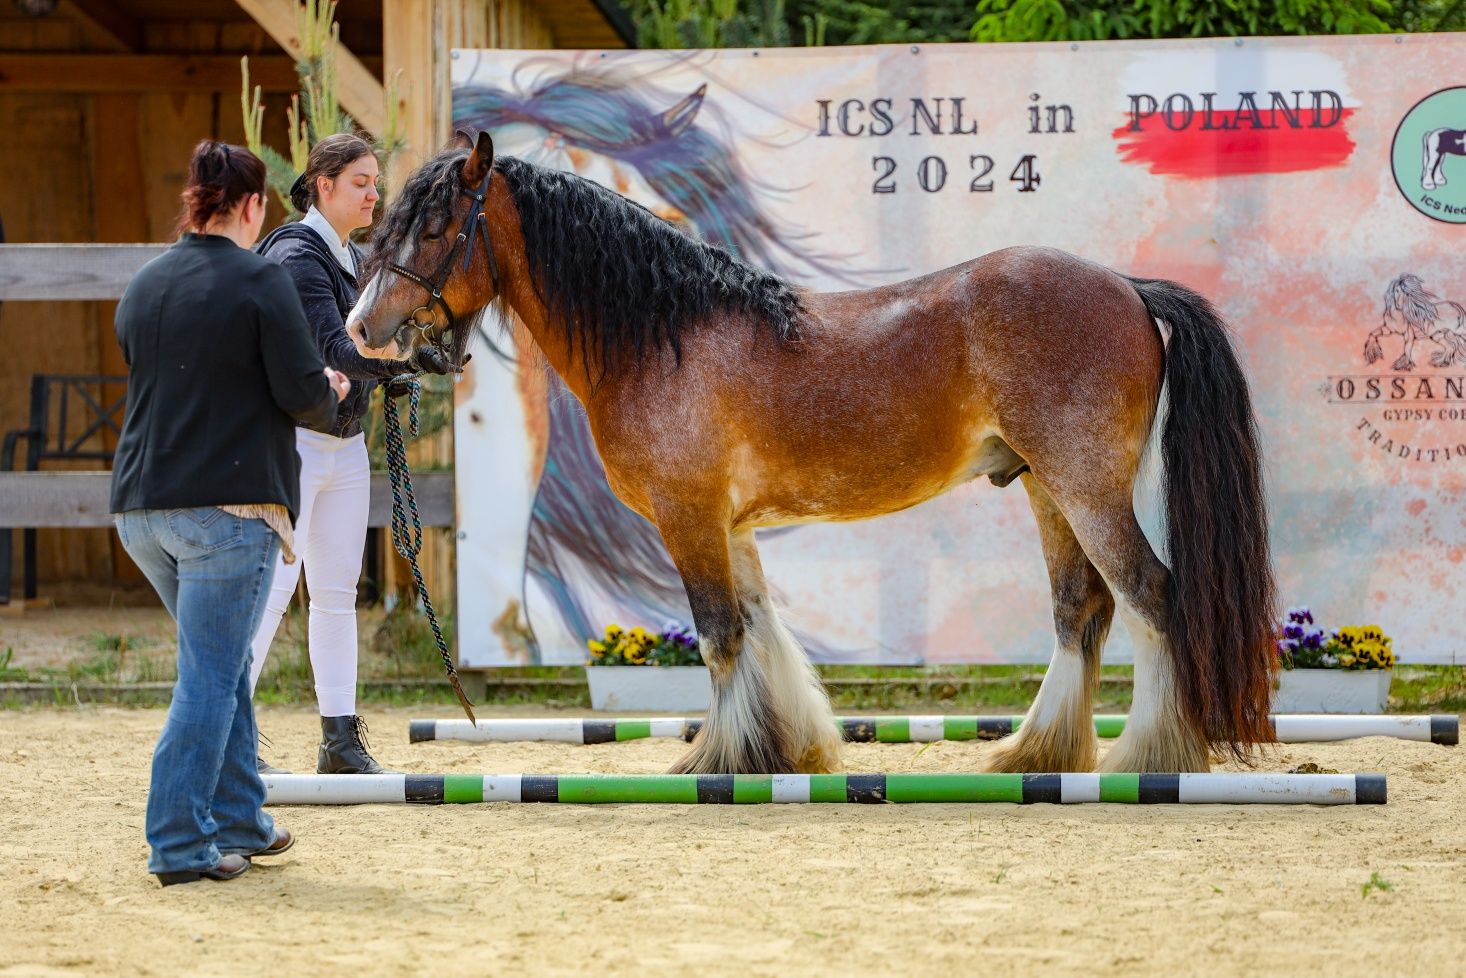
(1018, 755)
(819, 759)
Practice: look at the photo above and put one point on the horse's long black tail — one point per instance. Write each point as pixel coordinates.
(1222, 604)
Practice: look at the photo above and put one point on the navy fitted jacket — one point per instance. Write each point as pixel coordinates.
(328, 293)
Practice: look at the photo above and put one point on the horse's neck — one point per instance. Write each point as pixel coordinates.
(550, 336)
(522, 297)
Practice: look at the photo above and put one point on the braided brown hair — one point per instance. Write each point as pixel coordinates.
(327, 159)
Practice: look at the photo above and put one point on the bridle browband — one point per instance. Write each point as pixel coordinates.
(475, 227)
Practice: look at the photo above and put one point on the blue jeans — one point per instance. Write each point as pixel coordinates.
(213, 572)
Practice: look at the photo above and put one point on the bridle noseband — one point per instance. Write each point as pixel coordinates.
(475, 227)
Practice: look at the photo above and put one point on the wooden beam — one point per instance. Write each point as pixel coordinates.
(360, 92)
(121, 212)
(52, 272)
(107, 19)
(142, 73)
(410, 32)
(81, 499)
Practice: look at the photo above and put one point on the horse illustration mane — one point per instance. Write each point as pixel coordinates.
(676, 141)
(623, 282)
(1409, 296)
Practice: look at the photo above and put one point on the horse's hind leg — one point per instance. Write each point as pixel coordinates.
(1431, 174)
(1159, 734)
(798, 694)
(1058, 732)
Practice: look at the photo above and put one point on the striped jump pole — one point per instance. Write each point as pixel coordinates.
(762, 789)
(1289, 728)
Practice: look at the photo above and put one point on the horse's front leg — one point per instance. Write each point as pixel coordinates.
(1372, 351)
(796, 689)
(1407, 354)
(745, 732)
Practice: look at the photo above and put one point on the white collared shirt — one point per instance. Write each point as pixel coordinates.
(317, 222)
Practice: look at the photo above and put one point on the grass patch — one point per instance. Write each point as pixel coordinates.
(404, 647)
(9, 673)
(102, 666)
(1428, 689)
(1375, 883)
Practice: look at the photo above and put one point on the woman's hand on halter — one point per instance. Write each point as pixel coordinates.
(340, 383)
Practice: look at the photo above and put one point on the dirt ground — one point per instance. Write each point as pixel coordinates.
(804, 890)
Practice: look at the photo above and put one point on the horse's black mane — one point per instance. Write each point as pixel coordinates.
(622, 282)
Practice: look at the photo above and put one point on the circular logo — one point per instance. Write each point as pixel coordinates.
(1428, 156)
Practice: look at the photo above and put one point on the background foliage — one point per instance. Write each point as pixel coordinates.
(779, 23)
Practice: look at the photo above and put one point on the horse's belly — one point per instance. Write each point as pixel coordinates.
(878, 484)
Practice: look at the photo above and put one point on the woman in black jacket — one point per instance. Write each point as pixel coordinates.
(220, 368)
(337, 193)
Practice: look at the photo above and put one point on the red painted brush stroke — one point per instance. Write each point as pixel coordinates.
(1196, 153)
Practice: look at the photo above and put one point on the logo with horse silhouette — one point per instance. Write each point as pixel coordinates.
(1428, 157)
(1411, 410)
(1415, 314)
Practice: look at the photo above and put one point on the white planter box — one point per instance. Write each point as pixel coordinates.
(1332, 691)
(669, 688)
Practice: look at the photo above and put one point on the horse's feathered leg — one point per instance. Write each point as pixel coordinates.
(1161, 734)
(1407, 353)
(796, 690)
(1372, 351)
(1057, 734)
(744, 732)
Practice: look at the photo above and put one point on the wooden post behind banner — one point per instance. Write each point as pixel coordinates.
(418, 37)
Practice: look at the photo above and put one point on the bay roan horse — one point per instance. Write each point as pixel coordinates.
(723, 399)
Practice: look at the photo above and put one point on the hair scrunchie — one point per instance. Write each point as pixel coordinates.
(298, 186)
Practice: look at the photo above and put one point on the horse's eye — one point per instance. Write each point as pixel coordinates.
(432, 237)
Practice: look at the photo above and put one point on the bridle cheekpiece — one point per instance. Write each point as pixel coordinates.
(475, 227)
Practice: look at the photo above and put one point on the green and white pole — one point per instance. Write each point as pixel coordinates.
(1290, 728)
(756, 789)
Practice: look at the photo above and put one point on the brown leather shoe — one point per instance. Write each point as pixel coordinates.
(283, 840)
(229, 867)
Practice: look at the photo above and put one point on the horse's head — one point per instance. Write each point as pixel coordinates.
(432, 267)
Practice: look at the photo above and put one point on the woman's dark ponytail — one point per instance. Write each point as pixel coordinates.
(219, 177)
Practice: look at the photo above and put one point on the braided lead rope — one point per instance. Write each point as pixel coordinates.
(409, 545)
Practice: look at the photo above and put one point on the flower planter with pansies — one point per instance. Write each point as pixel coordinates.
(1347, 670)
(633, 669)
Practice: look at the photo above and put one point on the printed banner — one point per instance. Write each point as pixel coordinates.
(1313, 188)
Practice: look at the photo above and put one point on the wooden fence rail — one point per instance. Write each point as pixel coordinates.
(56, 272)
(79, 499)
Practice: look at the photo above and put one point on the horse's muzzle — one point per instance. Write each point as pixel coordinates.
(356, 329)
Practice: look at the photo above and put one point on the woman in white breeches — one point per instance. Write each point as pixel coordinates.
(336, 193)
(330, 534)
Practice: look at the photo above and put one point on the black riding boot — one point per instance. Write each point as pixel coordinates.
(265, 767)
(344, 748)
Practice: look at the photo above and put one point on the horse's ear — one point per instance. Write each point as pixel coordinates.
(461, 140)
(477, 166)
(674, 121)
